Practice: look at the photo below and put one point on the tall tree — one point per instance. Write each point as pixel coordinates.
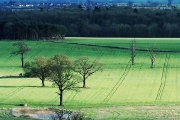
(86, 68)
(152, 56)
(39, 68)
(133, 51)
(22, 49)
(62, 75)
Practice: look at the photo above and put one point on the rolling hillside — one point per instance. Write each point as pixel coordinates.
(119, 83)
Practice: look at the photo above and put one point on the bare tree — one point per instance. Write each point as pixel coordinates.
(152, 55)
(133, 51)
(22, 49)
(86, 68)
(62, 75)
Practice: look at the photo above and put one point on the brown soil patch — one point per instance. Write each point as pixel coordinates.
(35, 113)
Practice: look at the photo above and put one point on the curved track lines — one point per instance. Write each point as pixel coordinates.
(163, 79)
(108, 60)
(70, 51)
(117, 85)
(100, 55)
(18, 89)
(4, 52)
(40, 49)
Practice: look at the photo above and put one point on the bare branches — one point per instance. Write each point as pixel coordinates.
(133, 51)
(152, 55)
(22, 49)
(61, 75)
(86, 68)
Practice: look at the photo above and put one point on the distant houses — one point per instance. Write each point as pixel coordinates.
(12, 5)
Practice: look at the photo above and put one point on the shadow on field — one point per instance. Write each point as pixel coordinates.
(122, 48)
(2, 77)
(83, 87)
(6, 105)
(22, 86)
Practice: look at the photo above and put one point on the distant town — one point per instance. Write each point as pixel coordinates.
(86, 4)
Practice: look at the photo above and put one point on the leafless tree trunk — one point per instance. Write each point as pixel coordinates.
(133, 51)
(152, 55)
(22, 60)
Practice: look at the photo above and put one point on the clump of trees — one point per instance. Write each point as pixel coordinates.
(23, 29)
(112, 22)
(61, 71)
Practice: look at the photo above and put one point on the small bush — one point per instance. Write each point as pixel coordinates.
(69, 115)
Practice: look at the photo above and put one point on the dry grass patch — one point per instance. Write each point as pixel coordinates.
(157, 112)
(33, 113)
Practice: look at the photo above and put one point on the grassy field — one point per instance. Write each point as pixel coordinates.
(142, 43)
(132, 88)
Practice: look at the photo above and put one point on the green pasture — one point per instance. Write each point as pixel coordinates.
(119, 84)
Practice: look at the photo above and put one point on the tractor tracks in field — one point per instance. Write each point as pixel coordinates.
(118, 84)
(12, 93)
(163, 79)
(100, 55)
(40, 49)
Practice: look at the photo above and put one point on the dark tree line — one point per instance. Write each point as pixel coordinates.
(18, 29)
(112, 22)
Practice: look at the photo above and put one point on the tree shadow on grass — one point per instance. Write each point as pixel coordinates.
(82, 87)
(11, 86)
(20, 86)
(2, 77)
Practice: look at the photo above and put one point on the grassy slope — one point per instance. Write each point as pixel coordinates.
(118, 84)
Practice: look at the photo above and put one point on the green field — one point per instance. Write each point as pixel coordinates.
(119, 84)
